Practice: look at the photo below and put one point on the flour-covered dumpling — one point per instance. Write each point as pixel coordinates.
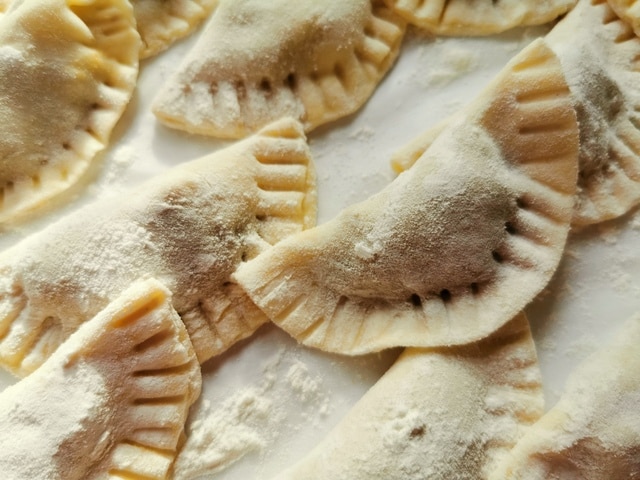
(600, 56)
(436, 414)
(189, 228)
(259, 60)
(67, 71)
(593, 432)
(111, 402)
(477, 17)
(162, 22)
(454, 247)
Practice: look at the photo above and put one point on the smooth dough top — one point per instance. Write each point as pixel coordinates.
(455, 246)
(259, 60)
(67, 70)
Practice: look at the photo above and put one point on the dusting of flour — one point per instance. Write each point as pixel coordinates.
(252, 418)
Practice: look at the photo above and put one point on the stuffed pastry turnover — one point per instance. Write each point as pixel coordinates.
(259, 60)
(600, 56)
(111, 402)
(454, 247)
(593, 432)
(477, 17)
(436, 414)
(189, 228)
(67, 71)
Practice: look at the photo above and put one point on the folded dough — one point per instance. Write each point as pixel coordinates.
(162, 22)
(189, 228)
(600, 56)
(436, 414)
(67, 71)
(259, 60)
(593, 432)
(454, 247)
(477, 17)
(111, 402)
(628, 10)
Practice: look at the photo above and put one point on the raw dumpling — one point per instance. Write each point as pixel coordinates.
(600, 56)
(162, 22)
(67, 71)
(593, 432)
(454, 247)
(189, 228)
(436, 414)
(259, 60)
(477, 17)
(111, 402)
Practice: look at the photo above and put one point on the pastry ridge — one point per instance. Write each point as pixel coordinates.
(471, 18)
(354, 284)
(214, 93)
(252, 195)
(93, 60)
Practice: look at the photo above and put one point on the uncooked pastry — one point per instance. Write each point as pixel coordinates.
(454, 247)
(628, 10)
(600, 56)
(436, 414)
(111, 402)
(162, 22)
(189, 228)
(477, 17)
(259, 60)
(593, 432)
(67, 71)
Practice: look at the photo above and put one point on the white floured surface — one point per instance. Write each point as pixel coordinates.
(268, 401)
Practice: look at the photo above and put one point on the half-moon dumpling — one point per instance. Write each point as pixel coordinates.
(600, 56)
(259, 60)
(477, 17)
(189, 228)
(111, 402)
(593, 432)
(162, 22)
(67, 71)
(454, 247)
(436, 414)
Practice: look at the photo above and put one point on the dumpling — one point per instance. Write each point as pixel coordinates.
(436, 414)
(259, 60)
(477, 17)
(593, 432)
(454, 247)
(111, 402)
(162, 22)
(189, 228)
(600, 56)
(67, 71)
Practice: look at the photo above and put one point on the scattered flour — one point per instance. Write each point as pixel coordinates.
(251, 419)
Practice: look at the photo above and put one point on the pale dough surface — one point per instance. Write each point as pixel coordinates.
(454, 247)
(76, 63)
(190, 228)
(162, 22)
(111, 402)
(436, 414)
(593, 432)
(259, 60)
(478, 17)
